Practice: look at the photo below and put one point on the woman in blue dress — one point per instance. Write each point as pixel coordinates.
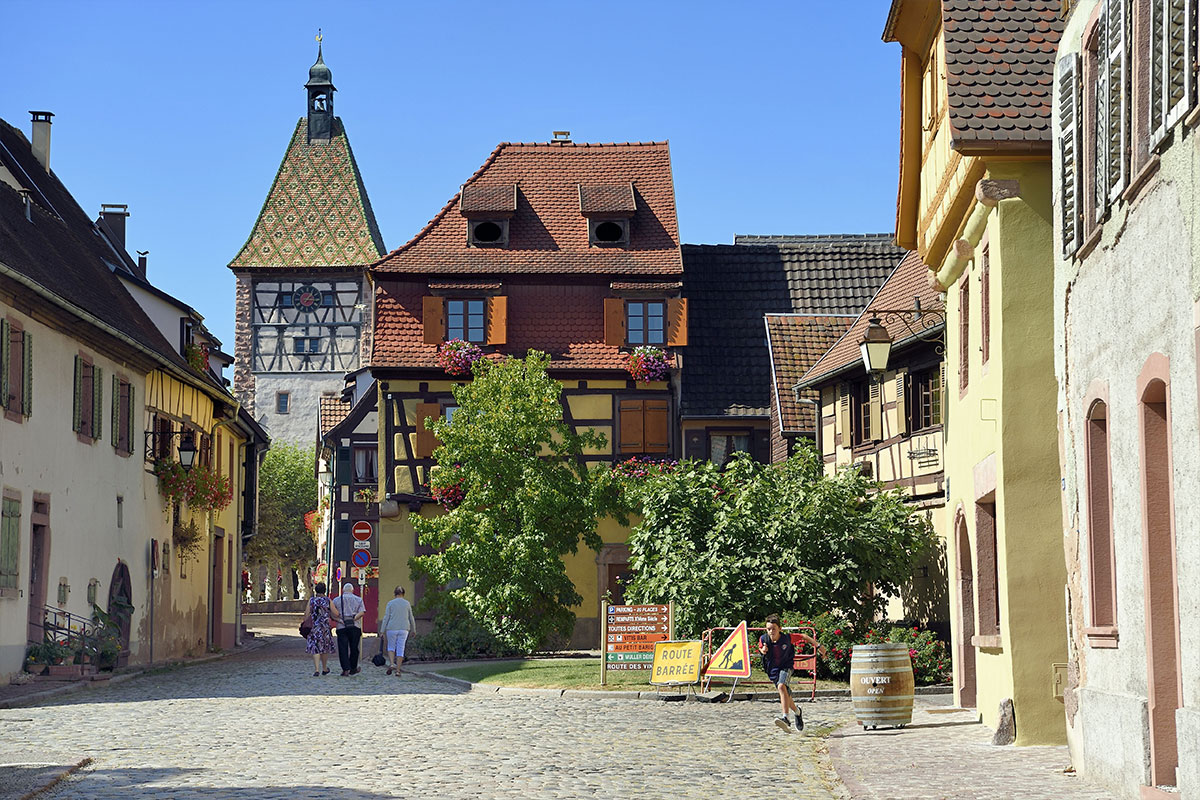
(319, 643)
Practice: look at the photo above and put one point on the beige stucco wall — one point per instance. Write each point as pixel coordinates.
(1130, 296)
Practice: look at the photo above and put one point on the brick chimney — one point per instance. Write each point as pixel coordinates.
(114, 217)
(41, 137)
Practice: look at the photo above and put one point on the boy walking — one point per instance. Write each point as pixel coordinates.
(779, 656)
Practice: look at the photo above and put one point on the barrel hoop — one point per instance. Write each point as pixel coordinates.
(854, 671)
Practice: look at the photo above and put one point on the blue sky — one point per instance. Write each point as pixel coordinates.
(782, 116)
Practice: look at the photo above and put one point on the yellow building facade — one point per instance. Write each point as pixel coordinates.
(975, 203)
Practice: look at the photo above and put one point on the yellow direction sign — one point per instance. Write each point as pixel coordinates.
(676, 663)
(732, 659)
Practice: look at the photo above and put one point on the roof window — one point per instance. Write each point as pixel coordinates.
(488, 232)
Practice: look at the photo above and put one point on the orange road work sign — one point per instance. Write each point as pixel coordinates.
(731, 659)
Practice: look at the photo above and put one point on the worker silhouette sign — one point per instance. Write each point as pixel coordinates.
(731, 659)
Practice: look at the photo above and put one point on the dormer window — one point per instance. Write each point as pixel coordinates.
(488, 210)
(608, 231)
(465, 320)
(608, 209)
(488, 232)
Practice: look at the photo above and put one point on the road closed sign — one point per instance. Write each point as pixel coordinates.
(676, 663)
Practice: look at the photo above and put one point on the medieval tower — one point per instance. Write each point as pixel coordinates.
(303, 310)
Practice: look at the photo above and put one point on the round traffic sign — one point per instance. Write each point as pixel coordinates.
(362, 558)
(361, 531)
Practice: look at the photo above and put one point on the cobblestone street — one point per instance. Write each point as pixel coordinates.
(259, 725)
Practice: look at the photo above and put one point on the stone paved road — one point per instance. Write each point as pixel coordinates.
(259, 725)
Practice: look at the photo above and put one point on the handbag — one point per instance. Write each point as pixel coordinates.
(378, 659)
(306, 624)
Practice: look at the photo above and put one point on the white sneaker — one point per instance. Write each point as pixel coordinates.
(783, 724)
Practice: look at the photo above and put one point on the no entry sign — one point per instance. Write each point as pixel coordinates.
(362, 558)
(361, 531)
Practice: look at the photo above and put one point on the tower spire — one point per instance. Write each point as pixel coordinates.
(320, 96)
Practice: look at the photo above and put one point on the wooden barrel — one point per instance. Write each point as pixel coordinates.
(881, 684)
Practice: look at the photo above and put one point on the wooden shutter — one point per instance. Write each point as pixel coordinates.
(5, 356)
(677, 322)
(426, 441)
(941, 394)
(843, 413)
(77, 411)
(27, 386)
(656, 427)
(985, 307)
(97, 402)
(115, 430)
(497, 320)
(964, 335)
(1069, 149)
(631, 426)
(1099, 144)
(876, 409)
(902, 401)
(1116, 62)
(433, 319)
(1172, 64)
(125, 434)
(341, 467)
(614, 321)
(10, 543)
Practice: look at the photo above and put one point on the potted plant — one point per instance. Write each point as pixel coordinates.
(648, 363)
(456, 356)
(367, 496)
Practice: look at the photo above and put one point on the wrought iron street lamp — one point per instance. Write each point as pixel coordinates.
(187, 451)
(876, 344)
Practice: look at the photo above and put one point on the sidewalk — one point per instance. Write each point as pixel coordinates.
(948, 754)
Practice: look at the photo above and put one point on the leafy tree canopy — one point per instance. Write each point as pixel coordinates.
(287, 490)
(519, 498)
(756, 539)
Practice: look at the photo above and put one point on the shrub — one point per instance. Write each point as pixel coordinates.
(931, 659)
(456, 634)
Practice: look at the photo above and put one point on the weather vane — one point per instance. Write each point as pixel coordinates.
(319, 37)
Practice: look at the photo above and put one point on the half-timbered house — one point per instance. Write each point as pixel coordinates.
(567, 248)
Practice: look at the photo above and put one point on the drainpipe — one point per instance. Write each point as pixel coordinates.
(988, 194)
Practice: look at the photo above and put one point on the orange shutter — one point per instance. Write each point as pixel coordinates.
(630, 426)
(433, 317)
(497, 320)
(677, 322)
(614, 321)
(656, 427)
(426, 441)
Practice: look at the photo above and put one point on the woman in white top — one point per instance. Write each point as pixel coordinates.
(398, 622)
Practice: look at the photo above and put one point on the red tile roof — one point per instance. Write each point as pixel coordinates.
(607, 199)
(548, 233)
(797, 341)
(479, 198)
(333, 411)
(907, 283)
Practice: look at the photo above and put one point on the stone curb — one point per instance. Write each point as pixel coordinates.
(79, 686)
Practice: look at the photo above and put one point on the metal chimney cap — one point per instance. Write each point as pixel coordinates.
(42, 116)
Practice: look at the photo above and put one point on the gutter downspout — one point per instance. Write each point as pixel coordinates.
(988, 194)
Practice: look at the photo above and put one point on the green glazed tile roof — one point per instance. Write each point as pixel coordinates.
(317, 213)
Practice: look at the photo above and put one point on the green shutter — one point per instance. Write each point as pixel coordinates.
(97, 403)
(132, 418)
(77, 413)
(4, 356)
(116, 410)
(342, 474)
(10, 543)
(27, 400)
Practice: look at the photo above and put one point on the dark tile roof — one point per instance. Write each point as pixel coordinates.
(798, 341)
(727, 367)
(910, 280)
(333, 411)
(61, 251)
(1000, 70)
(548, 234)
(317, 213)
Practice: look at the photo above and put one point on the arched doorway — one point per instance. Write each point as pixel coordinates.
(964, 653)
(1163, 680)
(120, 606)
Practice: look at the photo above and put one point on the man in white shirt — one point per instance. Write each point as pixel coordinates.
(348, 611)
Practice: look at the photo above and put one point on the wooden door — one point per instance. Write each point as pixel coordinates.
(216, 600)
(37, 582)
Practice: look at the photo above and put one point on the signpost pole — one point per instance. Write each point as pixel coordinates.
(671, 620)
(603, 642)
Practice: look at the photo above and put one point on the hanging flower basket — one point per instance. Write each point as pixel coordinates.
(457, 356)
(197, 357)
(648, 363)
(201, 488)
(446, 487)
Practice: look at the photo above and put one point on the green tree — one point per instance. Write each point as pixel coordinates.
(287, 490)
(521, 497)
(755, 539)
